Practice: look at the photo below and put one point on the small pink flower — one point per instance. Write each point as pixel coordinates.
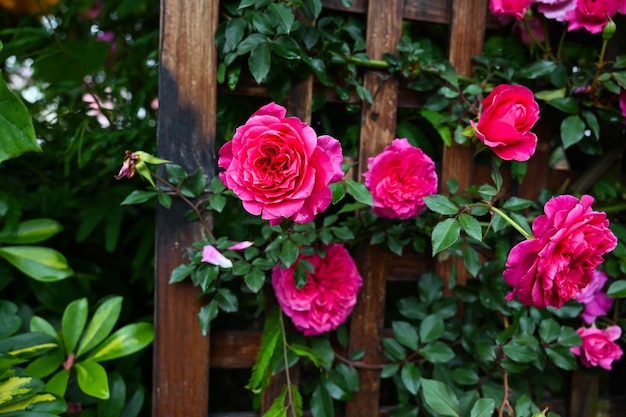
(508, 114)
(279, 167)
(515, 8)
(212, 256)
(596, 302)
(329, 295)
(598, 346)
(96, 105)
(399, 178)
(570, 239)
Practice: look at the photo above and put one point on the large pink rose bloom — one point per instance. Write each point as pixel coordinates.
(570, 239)
(515, 8)
(592, 14)
(279, 167)
(598, 347)
(508, 114)
(327, 298)
(596, 302)
(399, 178)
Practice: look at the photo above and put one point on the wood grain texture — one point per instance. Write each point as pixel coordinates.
(185, 135)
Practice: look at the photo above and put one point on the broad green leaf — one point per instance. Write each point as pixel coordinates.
(234, 33)
(516, 203)
(138, 196)
(405, 334)
(44, 365)
(10, 322)
(440, 398)
(471, 260)
(311, 354)
(483, 408)
(441, 204)
(360, 192)
(519, 350)
(285, 16)
(411, 377)
(437, 352)
(572, 130)
(134, 404)
(321, 402)
(566, 104)
(465, 376)
(255, 279)
(31, 231)
(430, 288)
(259, 62)
(26, 345)
(58, 383)
(617, 289)
(227, 300)
(393, 349)
(112, 407)
(17, 134)
(445, 234)
(471, 226)
(42, 264)
(389, 370)
(181, 272)
(278, 408)
(207, 313)
(125, 341)
(73, 323)
(538, 69)
(431, 328)
(38, 324)
(592, 122)
(405, 410)
(17, 388)
(549, 330)
(289, 253)
(269, 340)
(41, 404)
(562, 357)
(101, 324)
(92, 379)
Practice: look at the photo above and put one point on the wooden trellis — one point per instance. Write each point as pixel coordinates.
(183, 357)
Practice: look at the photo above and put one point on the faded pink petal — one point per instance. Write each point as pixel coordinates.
(241, 245)
(212, 256)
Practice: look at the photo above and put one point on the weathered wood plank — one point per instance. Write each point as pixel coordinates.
(186, 131)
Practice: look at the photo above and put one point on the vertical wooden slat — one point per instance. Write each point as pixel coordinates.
(467, 33)
(186, 131)
(378, 129)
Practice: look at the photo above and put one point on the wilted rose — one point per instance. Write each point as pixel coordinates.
(508, 114)
(327, 298)
(279, 167)
(570, 239)
(598, 346)
(399, 178)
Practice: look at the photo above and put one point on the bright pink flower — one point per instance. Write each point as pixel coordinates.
(212, 256)
(279, 167)
(555, 9)
(570, 239)
(596, 302)
(327, 298)
(598, 347)
(515, 8)
(399, 178)
(592, 15)
(508, 114)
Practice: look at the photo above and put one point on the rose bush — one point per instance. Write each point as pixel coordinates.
(598, 346)
(399, 178)
(554, 266)
(279, 167)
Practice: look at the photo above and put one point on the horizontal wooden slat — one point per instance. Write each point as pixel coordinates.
(422, 10)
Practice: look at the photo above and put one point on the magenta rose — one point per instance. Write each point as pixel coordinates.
(592, 15)
(327, 298)
(596, 302)
(598, 347)
(570, 239)
(399, 178)
(279, 167)
(508, 114)
(515, 8)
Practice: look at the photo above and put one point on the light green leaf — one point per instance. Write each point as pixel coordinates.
(445, 234)
(101, 324)
(42, 264)
(227, 300)
(360, 192)
(269, 340)
(16, 388)
(44, 365)
(138, 196)
(31, 231)
(92, 379)
(441, 204)
(617, 289)
(58, 383)
(73, 323)
(405, 334)
(125, 341)
(38, 324)
(17, 134)
(311, 354)
(471, 226)
(410, 376)
(431, 328)
(483, 408)
(207, 313)
(572, 130)
(440, 398)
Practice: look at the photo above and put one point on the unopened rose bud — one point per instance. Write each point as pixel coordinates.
(609, 30)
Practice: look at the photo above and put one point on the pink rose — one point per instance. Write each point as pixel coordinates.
(516, 8)
(555, 9)
(570, 239)
(622, 102)
(596, 302)
(279, 167)
(536, 33)
(327, 298)
(399, 178)
(598, 347)
(592, 14)
(508, 114)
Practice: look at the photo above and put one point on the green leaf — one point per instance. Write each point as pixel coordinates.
(441, 204)
(321, 402)
(255, 279)
(617, 289)
(38, 324)
(73, 323)
(44, 365)
(269, 340)
(181, 272)
(572, 130)
(57, 385)
(17, 134)
(10, 322)
(562, 357)
(125, 341)
(217, 202)
(410, 376)
(549, 330)
(138, 197)
(516, 203)
(440, 398)
(437, 352)
(42, 264)
(227, 300)
(445, 234)
(592, 122)
(431, 328)
(92, 379)
(483, 408)
(338, 190)
(538, 69)
(568, 337)
(389, 370)
(259, 62)
(393, 349)
(405, 334)
(17, 388)
(289, 253)
(360, 192)
(233, 34)
(566, 104)
(101, 324)
(471, 260)
(285, 16)
(31, 231)
(309, 353)
(114, 405)
(471, 226)
(207, 313)
(521, 349)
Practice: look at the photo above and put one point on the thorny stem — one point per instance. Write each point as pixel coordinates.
(505, 404)
(194, 207)
(291, 403)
